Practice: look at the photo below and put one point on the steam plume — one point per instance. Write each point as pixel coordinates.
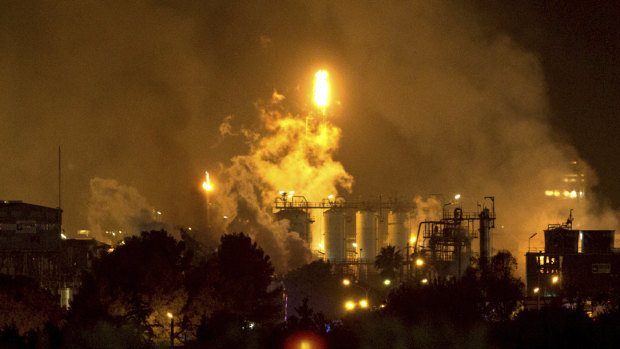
(115, 207)
(284, 155)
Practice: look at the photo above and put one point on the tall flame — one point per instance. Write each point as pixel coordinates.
(321, 89)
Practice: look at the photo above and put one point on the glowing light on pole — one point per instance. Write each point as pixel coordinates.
(321, 89)
(171, 317)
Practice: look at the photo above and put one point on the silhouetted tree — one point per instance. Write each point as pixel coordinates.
(137, 285)
(388, 261)
(306, 319)
(25, 308)
(246, 280)
(501, 289)
(315, 282)
(232, 294)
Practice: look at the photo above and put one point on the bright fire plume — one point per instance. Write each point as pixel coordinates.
(321, 88)
(285, 155)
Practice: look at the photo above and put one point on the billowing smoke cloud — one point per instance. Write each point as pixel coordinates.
(433, 101)
(472, 108)
(290, 153)
(115, 207)
(428, 209)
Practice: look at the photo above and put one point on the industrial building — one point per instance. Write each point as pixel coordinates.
(574, 263)
(353, 233)
(570, 186)
(32, 245)
(445, 250)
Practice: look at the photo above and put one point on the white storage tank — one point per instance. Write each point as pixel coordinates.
(366, 235)
(333, 224)
(398, 230)
(382, 228)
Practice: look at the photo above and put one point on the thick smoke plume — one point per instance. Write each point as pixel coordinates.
(434, 100)
(119, 208)
(287, 153)
(472, 108)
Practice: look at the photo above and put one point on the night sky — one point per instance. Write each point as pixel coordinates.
(144, 96)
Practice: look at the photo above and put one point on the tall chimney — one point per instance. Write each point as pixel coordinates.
(485, 238)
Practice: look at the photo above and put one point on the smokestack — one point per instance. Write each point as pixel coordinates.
(485, 238)
(59, 193)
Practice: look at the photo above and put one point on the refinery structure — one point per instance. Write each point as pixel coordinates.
(352, 234)
(349, 234)
(574, 263)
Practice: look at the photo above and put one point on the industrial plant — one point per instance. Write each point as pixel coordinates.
(574, 263)
(352, 234)
(33, 245)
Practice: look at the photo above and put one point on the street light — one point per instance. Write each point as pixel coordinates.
(169, 314)
(419, 262)
(528, 241)
(364, 303)
(350, 305)
(537, 293)
(347, 283)
(387, 282)
(555, 279)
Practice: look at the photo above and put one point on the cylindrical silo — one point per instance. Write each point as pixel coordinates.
(398, 230)
(366, 235)
(333, 224)
(299, 222)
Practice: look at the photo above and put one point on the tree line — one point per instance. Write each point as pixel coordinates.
(154, 290)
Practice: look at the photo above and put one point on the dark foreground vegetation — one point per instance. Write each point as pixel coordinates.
(231, 298)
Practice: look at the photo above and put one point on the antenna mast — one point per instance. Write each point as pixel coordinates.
(59, 180)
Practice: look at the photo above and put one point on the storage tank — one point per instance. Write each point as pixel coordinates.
(333, 227)
(398, 230)
(597, 241)
(382, 229)
(561, 241)
(299, 222)
(366, 235)
(349, 235)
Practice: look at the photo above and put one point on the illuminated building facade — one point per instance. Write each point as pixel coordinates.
(572, 185)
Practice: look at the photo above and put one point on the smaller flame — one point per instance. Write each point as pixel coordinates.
(207, 184)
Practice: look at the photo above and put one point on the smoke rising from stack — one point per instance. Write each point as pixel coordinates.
(433, 101)
(115, 207)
